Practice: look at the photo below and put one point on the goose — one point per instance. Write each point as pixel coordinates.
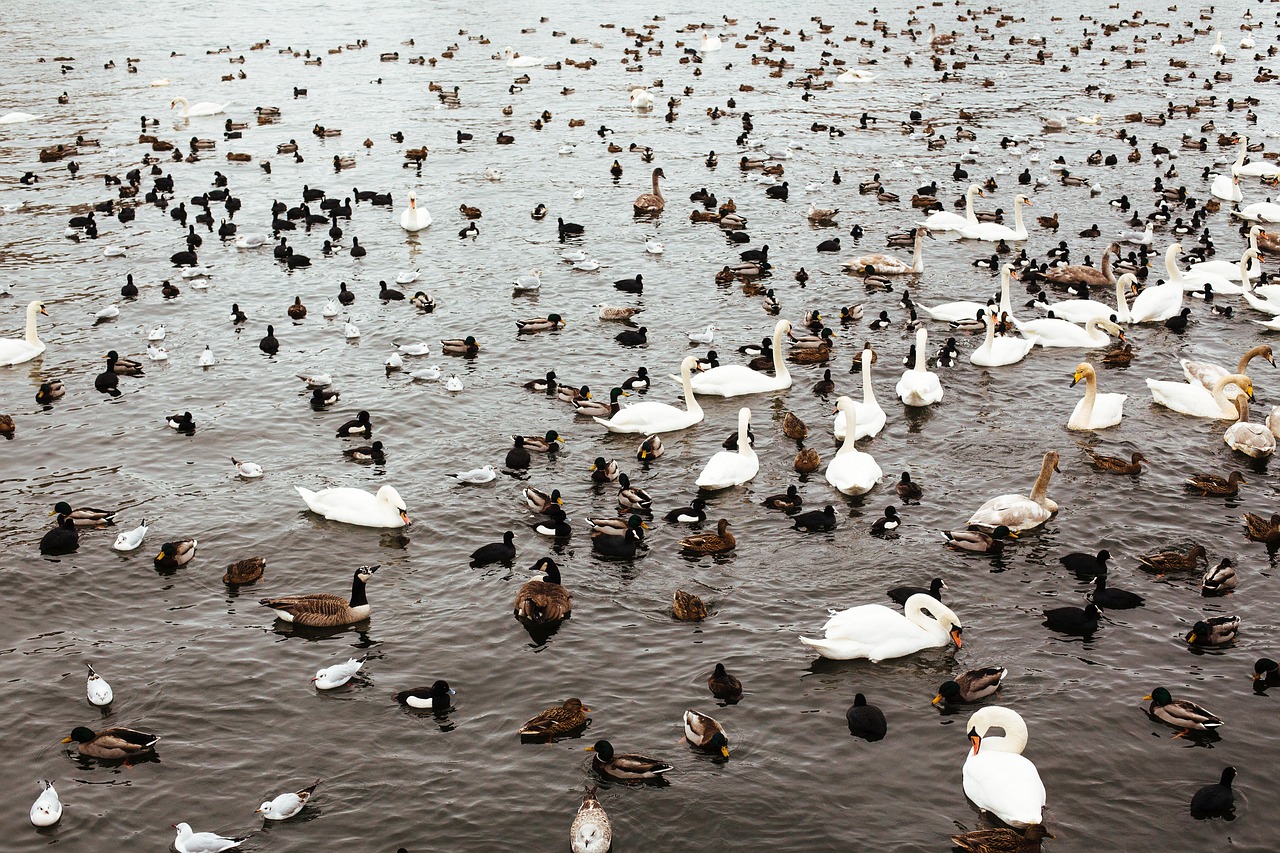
(515, 61)
(945, 220)
(545, 601)
(998, 352)
(729, 468)
(288, 804)
(358, 507)
(992, 232)
(1094, 411)
(918, 387)
(997, 778)
(325, 610)
(1253, 440)
(889, 264)
(851, 471)
(1020, 512)
(652, 417)
(951, 312)
(1084, 310)
(1192, 398)
(871, 416)
(414, 218)
(203, 108)
(735, 380)
(877, 633)
(651, 202)
(18, 351)
(1053, 332)
(1207, 373)
(1160, 302)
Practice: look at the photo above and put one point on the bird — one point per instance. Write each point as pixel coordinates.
(325, 610)
(1216, 631)
(247, 470)
(865, 721)
(1073, 620)
(85, 516)
(816, 520)
(478, 476)
(687, 607)
(900, 594)
(434, 698)
(287, 805)
(97, 689)
(545, 601)
(1215, 800)
(112, 744)
(705, 734)
(189, 841)
(129, 540)
(495, 552)
(47, 809)
(1002, 840)
(625, 768)
(591, 831)
(62, 539)
(335, 675)
(971, 686)
(724, 686)
(246, 571)
(560, 720)
(1182, 714)
(710, 543)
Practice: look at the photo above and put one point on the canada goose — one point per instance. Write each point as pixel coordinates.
(325, 610)
(546, 601)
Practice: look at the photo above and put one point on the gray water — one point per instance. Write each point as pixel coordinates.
(228, 691)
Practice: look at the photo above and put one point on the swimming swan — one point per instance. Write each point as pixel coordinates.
(997, 778)
(918, 387)
(414, 218)
(356, 506)
(1192, 398)
(994, 232)
(1020, 512)
(851, 471)
(734, 380)
(1094, 411)
(870, 414)
(650, 417)
(204, 108)
(16, 351)
(732, 467)
(877, 633)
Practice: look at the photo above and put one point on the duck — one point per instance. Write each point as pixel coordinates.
(1018, 512)
(889, 264)
(1172, 561)
(1211, 484)
(495, 552)
(560, 720)
(1180, 713)
(876, 632)
(651, 202)
(694, 513)
(734, 380)
(719, 542)
(1218, 631)
(997, 777)
(414, 218)
(19, 351)
(625, 768)
(652, 417)
(1095, 411)
(325, 610)
(918, 387)
(687, 607)
(603, 471)
(460, 346)
(817, 521)
(386, 509)
(870, 416)
(1192, 398)
(1002, 840)
(724, 686)
(85, 516)
(992, 232)
(979, 542)
(705, 734)
(548, 442)
(246, 571)
(435, 697)
(650, 448)
(546, 601)
(1259, 529)
(176, 554)
(731, 468)
(112, 744)
(368, 453)
(592, 408)
(851, 471)
(1220, 579)
(972, 686)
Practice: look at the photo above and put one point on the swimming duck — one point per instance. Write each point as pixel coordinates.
(1212, 484)
(245, 571)
(1002, 840)
(724, 686)
(972, 686)
(112, 744)
(175, 554)
(460, 346)
(719, 542)
(687, 607)
(1180, 713)
(625, 768)
(435, 697)
(84, 516)
(560, 720)
(705, 734)
(1216, 631)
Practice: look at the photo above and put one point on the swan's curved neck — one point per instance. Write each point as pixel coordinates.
(33, 310)
(1243, 366)
(917, 255)
(1250, 255)
(922, 340)
(1106, 264)
(744, 439)
(1041, 489)
(971, 215)
(1244, 147)
(1006, 277)
(1090, 397)
(1122, 304)
(868, 392)
(656, 191)
(779, 361)
(690, 401)
(940, 622)
(990, 340)
(1171, 265)
(1018, 227)
(1220, 390)
(850, 426)
(1015, 729)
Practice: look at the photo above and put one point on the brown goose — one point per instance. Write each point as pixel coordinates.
(546, 601)
(325, 610)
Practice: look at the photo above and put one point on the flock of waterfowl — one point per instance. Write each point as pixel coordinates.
(1185, 260)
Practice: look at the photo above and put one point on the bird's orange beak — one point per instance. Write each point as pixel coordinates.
(955, 637)
(404, 516)
(937, 700)
(975, 740)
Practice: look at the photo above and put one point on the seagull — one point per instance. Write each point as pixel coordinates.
(330, 309)
(247, 470)
(201, 842)
(453, 383)
(492, 174)
(588, 265)
(653, 247)
(113, 252)
(157, 353)
(316, 380)
(394, 362)
(47, 809)
(426, 374)
(573, 256)
(532, 281)
(703, 337)
(351, 330)
(97, 689)
(131, 539)
(579, 194)
(407, 277)
(156, 334)
(109, 313)
(412, 349)
(206, 357)
(334, 676)
(478, 475)
(287, 805)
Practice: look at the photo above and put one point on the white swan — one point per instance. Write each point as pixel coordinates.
(994, 232)
(870, 417)
(1259, 211)
(885, 264)
(650, 417)
(204, 108)
(734, 380)
(1226, 187)
(1207, 373)
(857, 75)
(1233, 270)
(1255, 440)
(641, 100)
(16, 351)
(998, 352)
(1265, 298)
(732, 467)
(1084, 310)
(997, 778)
(1159, 302)
(918, 387)
(514, 61)
(1021, 512)
(1094, 411)
(18, 118)
(1256, 169)
(1218, 49)
(1055, 332)
(951, 312)
(945, 220)
(710, 42)
(356, 506)
(1192, 398)
(877, 633)
(414, 218)
(851, 471)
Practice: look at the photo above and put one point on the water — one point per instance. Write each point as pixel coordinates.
(228, 691)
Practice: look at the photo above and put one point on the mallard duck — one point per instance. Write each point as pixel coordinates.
(112, 744)
(540, 501)
(1211, 484)
(1259, 529)
(546, 601)
(592, 408)
(50, 391)
(624, 546)
(1179, 713)
(569, 394)
(604, 472)
(807, 461)
(85, 516)
(724, 686)
(435, 697)
(787, 501)
(711, 543)
(460, 346)
(245, 571)
(176, 554)
(1217, 631)
(632, 497)
(907, 490)
(547, 443)
(972, 686)
(650, 448)
(687, 607)
(549, 323)
(979, 542)
(297, 310)
(611, 526)
(560, 720)
(124, 366)
(1219, 579)
(1002, 840)
(62, 539)
(495, 552)
(1113, 465)
(1266, 673)
(793, 427)
(325, 610)
(546, 385)
(625, 768)
(1173, 561)
(705, 734)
